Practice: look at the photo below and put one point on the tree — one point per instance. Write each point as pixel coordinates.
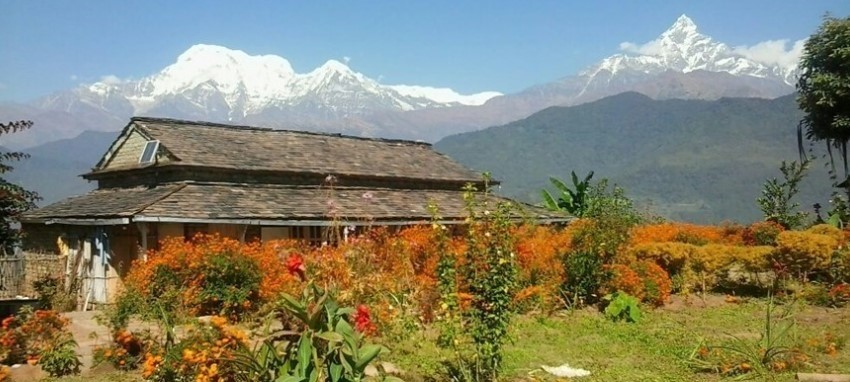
(14, 199)
(824, 88)
(775, 201)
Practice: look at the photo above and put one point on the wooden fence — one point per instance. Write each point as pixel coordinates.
(11, 276)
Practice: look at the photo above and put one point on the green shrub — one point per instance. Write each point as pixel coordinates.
(229, 281)
(584, 275)
(622, 307)
(61, 358)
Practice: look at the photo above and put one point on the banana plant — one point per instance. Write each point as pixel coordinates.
(327, 349)
(574, 201)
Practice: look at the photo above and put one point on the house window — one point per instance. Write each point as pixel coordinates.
(192, 229)
(149, 153)
(311, 234)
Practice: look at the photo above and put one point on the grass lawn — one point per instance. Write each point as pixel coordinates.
(653, 350)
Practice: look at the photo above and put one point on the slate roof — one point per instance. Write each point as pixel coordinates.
(266, 204)
(251, 148)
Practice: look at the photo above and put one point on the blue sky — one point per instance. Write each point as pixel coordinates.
(470, 46)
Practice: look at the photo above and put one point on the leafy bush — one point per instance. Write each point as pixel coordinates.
(61, 358)
(51, 294)
(329, 347)
(231, 283)
(762, 233)
(800, 253)
(622, 307)
(214, 275)
(30, 334)
(200, 356)
(584, 275)
(656, 282)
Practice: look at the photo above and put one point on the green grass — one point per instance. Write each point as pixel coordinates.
(654, 349)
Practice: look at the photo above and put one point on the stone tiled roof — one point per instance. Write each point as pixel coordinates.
(262, 204)
(105, 203)
(250, 148)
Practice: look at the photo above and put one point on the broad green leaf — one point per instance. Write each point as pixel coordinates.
(367, 354)
(330, 336)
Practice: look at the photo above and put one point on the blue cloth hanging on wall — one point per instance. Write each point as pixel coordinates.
(101, 243)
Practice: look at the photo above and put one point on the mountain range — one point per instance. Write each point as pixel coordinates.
(675, 121)
(691, 160)
(218, 84)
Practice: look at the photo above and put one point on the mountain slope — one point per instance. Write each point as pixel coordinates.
(53, 169)
(694, 160)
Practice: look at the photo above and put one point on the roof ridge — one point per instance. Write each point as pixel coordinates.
(269, 129)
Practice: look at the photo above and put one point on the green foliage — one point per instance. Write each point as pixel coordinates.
(51, 294)
(327, 348)
(61, 358)
(823, 83)
(229, 281)
(491, 275)
(14, 199)
(622, 307)
(777, 345)
(611, 215)
(689, 160)
(776, 197)
(574, 200)
(448, 316)
(584, 275)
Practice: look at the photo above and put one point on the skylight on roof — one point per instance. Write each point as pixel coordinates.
(149, 153)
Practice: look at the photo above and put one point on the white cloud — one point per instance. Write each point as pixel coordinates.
(346, 59)
(773, 52)
(111, 80)
(73, 77)
(651, 48)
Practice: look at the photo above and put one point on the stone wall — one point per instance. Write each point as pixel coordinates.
(19, 273)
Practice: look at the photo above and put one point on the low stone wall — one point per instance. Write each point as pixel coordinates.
(17, 274)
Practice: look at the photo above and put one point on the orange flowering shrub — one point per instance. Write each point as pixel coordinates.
(657, 285)
(681, 233)
(624, 279)
(28, 335)
(644, 280)
(201, 356)
(762, 233)
(801, 252)
(214, 274)
(125, 351)
(539, 250)
(673, 257)
(5, 373)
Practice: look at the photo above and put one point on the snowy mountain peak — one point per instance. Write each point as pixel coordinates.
(681, 48)
(683, 24)
(232, 84)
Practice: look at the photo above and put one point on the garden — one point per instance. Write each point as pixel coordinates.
(614, 295)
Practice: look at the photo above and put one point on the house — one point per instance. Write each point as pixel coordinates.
(164, 178)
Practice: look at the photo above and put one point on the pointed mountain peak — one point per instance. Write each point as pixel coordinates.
(334, 66)
(683, 25)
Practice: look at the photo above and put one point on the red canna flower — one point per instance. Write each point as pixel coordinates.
(363, 320)
(295, 266)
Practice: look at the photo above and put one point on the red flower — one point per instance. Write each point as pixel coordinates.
(295, 266)
(363, 320)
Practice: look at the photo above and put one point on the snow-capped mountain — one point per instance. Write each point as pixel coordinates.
(683, 49)
(224, 84)
(214, 83)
